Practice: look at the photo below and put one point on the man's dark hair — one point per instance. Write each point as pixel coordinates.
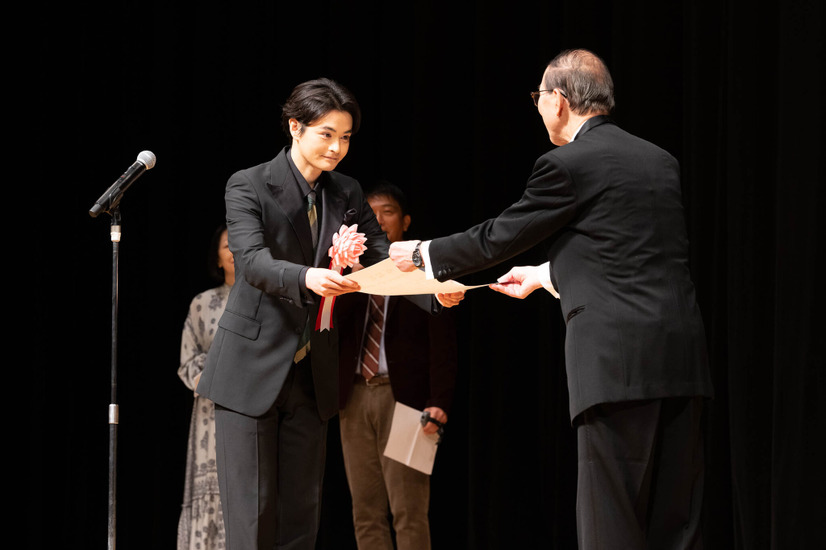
(386, 189)
(312, 100)
(216, 273)
(584, 78)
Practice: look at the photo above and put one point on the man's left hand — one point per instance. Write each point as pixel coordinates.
(401, 252)
(519, 282)
(437, 414)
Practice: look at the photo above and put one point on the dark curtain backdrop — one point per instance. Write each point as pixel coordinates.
(734, 91)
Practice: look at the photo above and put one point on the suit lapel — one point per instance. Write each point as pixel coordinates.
(287, 194)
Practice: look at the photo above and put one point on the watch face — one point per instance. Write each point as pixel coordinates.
(417, 257)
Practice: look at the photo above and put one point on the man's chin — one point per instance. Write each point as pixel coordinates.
(329, 164)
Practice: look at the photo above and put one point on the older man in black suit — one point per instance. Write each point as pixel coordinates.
(607, 206)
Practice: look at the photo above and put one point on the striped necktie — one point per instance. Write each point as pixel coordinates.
(372, 340)
(312, 215)
(304, 342)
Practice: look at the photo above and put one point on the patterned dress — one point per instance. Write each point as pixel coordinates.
(201, 525)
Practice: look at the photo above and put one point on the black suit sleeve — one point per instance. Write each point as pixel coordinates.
(247, 240)
(548, 203)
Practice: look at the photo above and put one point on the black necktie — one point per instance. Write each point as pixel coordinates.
(304, 342)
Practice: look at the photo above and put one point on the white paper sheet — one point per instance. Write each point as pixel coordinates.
(408, 443)
(386, 279)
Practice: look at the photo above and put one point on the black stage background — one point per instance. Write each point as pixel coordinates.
(735, 92)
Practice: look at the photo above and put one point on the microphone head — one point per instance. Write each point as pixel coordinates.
(147, 158)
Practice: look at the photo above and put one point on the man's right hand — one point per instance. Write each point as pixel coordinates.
(401, 252)
(327, 283)
(450, 299)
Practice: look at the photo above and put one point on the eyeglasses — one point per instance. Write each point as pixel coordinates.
(535, 95)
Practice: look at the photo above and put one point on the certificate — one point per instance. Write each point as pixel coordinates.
(386, 279)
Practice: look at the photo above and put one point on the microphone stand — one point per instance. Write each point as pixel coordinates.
(109, 202)
(114, 412)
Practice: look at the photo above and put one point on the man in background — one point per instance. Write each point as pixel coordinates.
(391, 350)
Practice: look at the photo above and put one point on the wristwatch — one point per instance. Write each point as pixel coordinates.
(417, 256)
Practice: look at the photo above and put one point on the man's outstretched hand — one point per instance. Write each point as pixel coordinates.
(519, 282)
(401, 252)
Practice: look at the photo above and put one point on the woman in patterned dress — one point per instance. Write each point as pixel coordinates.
(201, 525)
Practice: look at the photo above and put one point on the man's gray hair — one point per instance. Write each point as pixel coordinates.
(585, 80)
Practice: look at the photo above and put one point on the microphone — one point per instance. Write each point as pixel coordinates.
(111, 198)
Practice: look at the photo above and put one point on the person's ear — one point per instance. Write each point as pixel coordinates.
(559, 106)
(296, 129)
(405, 222)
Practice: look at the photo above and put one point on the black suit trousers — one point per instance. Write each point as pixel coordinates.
(640, 475)
(271, 467)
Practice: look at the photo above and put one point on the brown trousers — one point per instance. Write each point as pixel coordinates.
(380, 486)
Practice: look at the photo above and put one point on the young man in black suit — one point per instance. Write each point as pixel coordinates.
(607, 207)
(272, 376)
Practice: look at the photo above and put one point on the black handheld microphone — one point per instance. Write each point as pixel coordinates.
(110, 199)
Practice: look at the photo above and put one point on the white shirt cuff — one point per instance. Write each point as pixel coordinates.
(424, 249)
(545, 279)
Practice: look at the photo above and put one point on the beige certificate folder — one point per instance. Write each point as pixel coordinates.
(385, 278)
(408, 443)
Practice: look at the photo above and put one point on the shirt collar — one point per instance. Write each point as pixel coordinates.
(578, 129)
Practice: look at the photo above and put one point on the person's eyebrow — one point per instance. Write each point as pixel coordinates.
(331, 129)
